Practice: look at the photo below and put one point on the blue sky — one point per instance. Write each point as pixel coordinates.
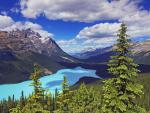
(78, 25)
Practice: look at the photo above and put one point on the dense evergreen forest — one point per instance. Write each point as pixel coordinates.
(126, 92)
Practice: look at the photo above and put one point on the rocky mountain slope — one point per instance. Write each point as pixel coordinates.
(20, 49)
(91, 52)
(141, 53)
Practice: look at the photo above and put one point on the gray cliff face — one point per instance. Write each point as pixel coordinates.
(21, 41)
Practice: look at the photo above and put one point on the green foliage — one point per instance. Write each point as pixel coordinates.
(64, 99)
(34, 108)
(22, 100)
(120, 94)
(10, 103)
(65, 85)
(38, 90)
(85, 100)
(145, 99)
(121, 91)
(16, 110)
(36, 102)
(55, 99)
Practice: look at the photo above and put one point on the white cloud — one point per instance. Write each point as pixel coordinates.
(21, 26)
(104, 35)
(137, 27)
(99, 31)
(26, 25)
(78, 10)
(8, 24)
(69, 45)
(5, 21)
(66, 43)
(99, 35)
(138, 24)
(76, 45)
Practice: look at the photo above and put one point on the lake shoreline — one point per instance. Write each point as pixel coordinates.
(50, 82)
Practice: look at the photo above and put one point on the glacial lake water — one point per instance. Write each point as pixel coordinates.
(50, 82)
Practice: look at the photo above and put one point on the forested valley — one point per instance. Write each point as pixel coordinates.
(126, 92)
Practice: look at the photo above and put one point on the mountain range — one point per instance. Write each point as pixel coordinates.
(141, 53)
(20, 49)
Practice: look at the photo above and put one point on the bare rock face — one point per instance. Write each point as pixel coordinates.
(20, 49)
(20, 41)
(16, 42)
(141, 52)
(141, 47)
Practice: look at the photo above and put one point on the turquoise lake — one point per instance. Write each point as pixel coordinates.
(50, 82)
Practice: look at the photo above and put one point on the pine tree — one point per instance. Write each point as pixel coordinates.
(22, 100)
(36, 101)
(38, 93)
(1, 107)
(5, 108)
(10, 103)
(55, 105)
(121, 91)
(84, 100)
(63, 99)
(48, 102)
(17, 109)
(34, 107)
(65, 85)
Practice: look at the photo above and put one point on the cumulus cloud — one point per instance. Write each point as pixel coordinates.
(137, 28)
(8, 24)
(77, 10)
(5, 21)
(26, 25)
(66, 43)
(99, 30)
(104, 35)
(138, 24)
(69, 45)
(99, 35)
(77, 45)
